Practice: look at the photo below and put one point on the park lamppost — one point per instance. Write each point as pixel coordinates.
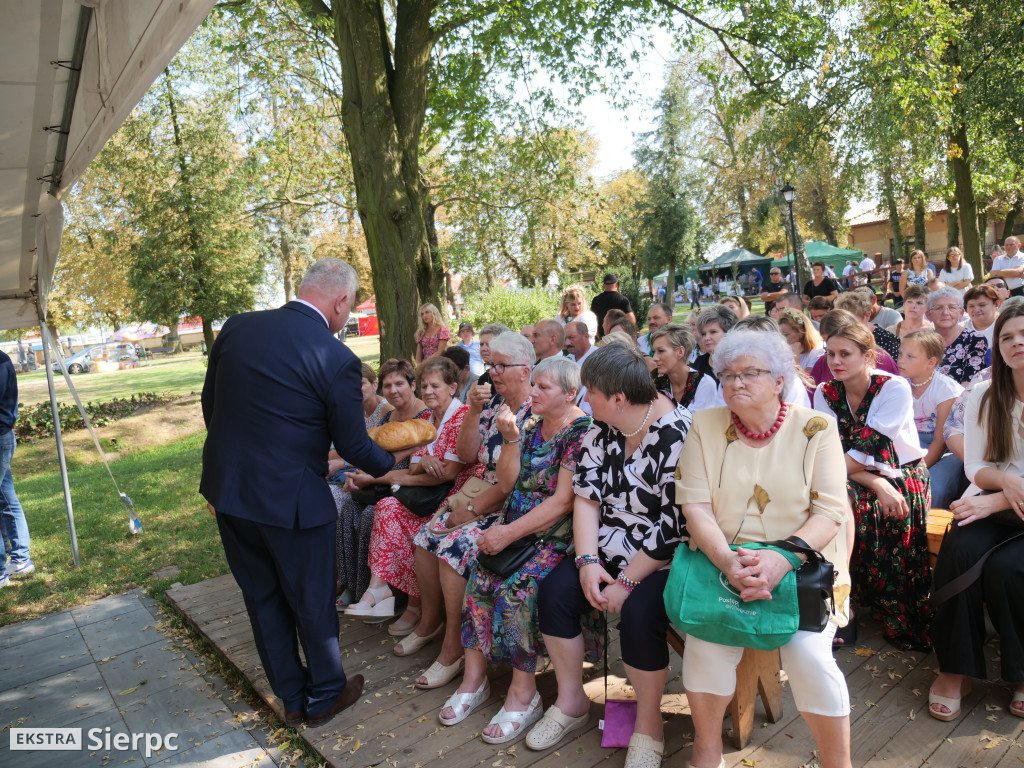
(789, 195)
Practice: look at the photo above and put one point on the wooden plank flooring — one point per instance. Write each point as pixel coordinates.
(396, 725)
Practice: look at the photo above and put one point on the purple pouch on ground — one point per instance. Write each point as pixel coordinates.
(619, 721)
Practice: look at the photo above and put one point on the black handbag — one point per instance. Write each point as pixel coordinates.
(423, 500)
(515, 555)
(814, 584)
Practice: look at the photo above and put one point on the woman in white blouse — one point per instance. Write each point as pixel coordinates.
(889, 487)
(984, 519)
(956, 272)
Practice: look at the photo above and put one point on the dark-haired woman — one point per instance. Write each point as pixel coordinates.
(994, 463)
(887, 483)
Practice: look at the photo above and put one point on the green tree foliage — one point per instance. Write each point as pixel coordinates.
(513, 307)
(674, 235)
(620, 233)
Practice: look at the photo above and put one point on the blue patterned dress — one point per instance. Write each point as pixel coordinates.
(499, 617)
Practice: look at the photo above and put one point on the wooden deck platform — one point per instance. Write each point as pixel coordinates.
(395, 724)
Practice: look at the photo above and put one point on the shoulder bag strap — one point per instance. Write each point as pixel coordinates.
(968, 577)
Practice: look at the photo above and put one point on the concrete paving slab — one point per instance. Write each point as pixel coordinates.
(148, 669)
(86, 757)
(60, 701)
(124, 632)
(54, 624)
(107, 607)
(38, 660)
(190, 709)
(229, 750)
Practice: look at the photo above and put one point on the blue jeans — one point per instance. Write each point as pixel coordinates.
(12, 516)
(948, 479)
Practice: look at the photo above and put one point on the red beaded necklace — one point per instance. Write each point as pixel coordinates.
(762, 435)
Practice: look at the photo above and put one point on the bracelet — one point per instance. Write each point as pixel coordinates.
(582, 560)
(509, 442)
(627, 584)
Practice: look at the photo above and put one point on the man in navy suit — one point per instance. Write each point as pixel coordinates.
(279, 389)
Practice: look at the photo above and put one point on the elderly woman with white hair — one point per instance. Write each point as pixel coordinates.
(499, 618)
(965, 351)
(786, 480)
(446, 548)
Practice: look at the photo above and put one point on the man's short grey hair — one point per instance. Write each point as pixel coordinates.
(619, 369)
(717, 313)
(761, 323)
(495, 329)
(515, 347)
(331, 277)
(791, 300)
(946, 293)
(769, 349)
(552, 328)
(579, 326)
(562, 371)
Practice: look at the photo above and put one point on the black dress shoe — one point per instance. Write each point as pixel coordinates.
(345, 699)
(293, 719)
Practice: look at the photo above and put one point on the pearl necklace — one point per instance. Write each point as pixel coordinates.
(924, 383)
(643, 423)
(761, 435)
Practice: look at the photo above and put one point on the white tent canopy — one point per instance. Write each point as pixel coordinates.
(70, 72)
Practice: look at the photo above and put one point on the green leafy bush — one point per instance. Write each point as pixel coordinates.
(37, 421)
(514, 308)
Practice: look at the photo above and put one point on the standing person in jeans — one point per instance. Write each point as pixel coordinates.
(12, 516)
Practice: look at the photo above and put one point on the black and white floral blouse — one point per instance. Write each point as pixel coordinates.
(965, 357)
(636, 494)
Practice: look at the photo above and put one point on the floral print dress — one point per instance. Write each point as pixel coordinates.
(889, 566)
(392, 554)
(499, 617)
(429, 344)
(965, 357)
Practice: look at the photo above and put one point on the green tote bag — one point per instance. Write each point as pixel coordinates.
(701, 602)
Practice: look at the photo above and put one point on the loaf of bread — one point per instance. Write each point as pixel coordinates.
(402, 435)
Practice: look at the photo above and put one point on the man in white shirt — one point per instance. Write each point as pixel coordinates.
(848, 271)
(1010, 267)
(577, 344)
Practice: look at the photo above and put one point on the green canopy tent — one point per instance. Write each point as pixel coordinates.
(737, 256)
(829, 254)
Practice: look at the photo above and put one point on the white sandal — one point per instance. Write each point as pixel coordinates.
(376, 602)
(508, 721)
(644, 751)
(465, 704)
(553, 728)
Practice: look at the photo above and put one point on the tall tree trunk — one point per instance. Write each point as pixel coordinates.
(287, 267)
(960, 157)
(1012, 215)
(173, 337)
(432, 280)
(920, 227)
(982, 227)
(670, 292)
(889, 197)
(952, 224)
(207, 334)
(384, 97)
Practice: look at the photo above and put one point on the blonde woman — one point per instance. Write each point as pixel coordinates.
(801, 335)
(432, 334)
(737, 305)
(574, 310)
(918, 273)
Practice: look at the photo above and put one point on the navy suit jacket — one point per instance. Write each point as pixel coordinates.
(279, 389)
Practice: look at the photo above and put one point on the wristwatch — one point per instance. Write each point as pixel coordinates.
(470, 508)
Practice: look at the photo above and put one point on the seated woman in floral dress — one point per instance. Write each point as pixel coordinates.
(499, 620)
(392, 559)
(887, 483)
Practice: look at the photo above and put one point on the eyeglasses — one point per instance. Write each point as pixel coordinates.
(950, 308)
(745, 377)
(499, 368)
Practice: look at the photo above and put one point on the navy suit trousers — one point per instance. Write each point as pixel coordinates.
(287, 577)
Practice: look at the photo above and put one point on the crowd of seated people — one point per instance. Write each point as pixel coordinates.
(606, 456)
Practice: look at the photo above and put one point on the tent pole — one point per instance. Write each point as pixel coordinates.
(44, 331)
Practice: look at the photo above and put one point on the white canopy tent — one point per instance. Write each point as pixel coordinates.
(70, 72)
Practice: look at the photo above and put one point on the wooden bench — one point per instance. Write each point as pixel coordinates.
(162, 350)
(938, 522)
(757, 673)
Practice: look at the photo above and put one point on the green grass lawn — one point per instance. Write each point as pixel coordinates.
(177, 530)
(178, 378)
